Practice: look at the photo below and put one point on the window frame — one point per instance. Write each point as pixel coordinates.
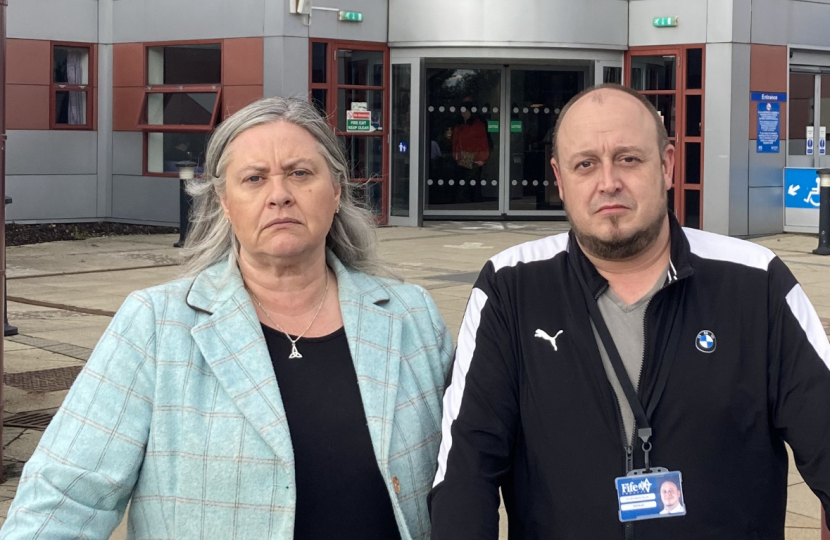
(89, 87)
(146, 129)
(332, 86)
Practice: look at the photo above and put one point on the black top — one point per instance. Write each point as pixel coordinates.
(340, 491)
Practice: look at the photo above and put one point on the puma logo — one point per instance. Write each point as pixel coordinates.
(544, 335)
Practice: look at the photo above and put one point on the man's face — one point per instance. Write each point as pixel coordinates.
(669, 494)
(612, 176)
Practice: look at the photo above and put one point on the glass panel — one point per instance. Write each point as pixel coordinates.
(401, 139)
(463, 147)
(70, 65)
(165, 149)
(365, 156)
(319, 62)
(318, 99)
(360, 67)
(665, 106)
(692, 163)
(653, 72)
(802, 102)
(692, 209)
(694, 69)
(180, 108)
(373, 100)
(369, 195)
(612, 75)
(70, 108)
(185, 64)
(694, 117)
(537, 97)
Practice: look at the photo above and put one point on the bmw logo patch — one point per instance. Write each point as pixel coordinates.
(706, 342)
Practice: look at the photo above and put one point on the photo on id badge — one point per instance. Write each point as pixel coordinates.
(650, 496)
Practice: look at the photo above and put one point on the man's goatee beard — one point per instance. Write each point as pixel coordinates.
(619, 248)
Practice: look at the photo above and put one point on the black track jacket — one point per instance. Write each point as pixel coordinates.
(543, 423)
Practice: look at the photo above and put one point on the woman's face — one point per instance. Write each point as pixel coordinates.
(279, 194)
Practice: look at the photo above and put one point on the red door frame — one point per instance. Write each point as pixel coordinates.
(332, 87)
(680, 139)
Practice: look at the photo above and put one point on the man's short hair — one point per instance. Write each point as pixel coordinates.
(662, 134)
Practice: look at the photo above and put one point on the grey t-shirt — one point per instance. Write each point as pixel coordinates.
(626, 323)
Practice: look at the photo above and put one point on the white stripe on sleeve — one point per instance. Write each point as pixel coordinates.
(809, 321)
(454, 393)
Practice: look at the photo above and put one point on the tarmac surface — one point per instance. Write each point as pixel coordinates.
(62, 296)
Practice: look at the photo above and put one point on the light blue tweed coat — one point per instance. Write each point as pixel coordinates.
(178, 410)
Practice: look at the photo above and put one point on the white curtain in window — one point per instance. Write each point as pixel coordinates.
(75, 75)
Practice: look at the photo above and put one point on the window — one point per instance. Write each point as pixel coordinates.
(71, 93)
(181, 105)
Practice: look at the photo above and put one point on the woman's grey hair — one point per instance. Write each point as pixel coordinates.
(211, 238)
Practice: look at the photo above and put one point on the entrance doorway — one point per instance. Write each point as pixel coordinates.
(488, 138)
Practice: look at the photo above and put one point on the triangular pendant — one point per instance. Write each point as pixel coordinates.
(294, 352)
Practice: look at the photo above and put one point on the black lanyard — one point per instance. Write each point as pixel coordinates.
(642, 417)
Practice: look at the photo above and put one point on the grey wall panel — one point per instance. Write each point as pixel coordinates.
(373, 28)
(284, 75)
(163, 20)
(769, 22)
(728, 21)
(739, 140)
(58, 20)
(274, 18)
(809, 22)
(146, 199)
(52, 152)
(105, 133)
(766, 210)
(765, 170)
(127, 153)
(691, 26)
(48, 197)
(436, 22)
(725, 166)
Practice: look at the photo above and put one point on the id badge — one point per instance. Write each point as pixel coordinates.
(656, 494)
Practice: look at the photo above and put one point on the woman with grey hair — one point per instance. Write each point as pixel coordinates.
(280, 390)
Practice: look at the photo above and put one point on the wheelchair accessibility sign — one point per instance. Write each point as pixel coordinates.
(801, 188)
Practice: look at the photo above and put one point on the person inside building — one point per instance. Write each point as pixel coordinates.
(630, 344)
(470, 150)
(282, 389)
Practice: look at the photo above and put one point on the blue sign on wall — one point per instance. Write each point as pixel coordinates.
(769, 124)
(768, 96)
(801, 188)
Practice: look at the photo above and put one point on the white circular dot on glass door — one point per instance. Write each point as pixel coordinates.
(495, 109)
(524, 182)
(525, 110)
(515, 109)
(514, 182)
(484, 109)
(429, 182)
(440, 182)
(451, 182)
(494, 183)
(546, 183)
(452, 109)
(441, 108)
(472, 182)
(431, 108)
(547, 110)
(473, 109)
(463, 109)
(461, 182)
(535, 110)
(556, 110)
(535, 183)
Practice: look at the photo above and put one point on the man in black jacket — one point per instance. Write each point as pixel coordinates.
(630, 343)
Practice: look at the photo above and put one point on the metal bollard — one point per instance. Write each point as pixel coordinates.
(823, 213)
(187, 170)
(8, 330)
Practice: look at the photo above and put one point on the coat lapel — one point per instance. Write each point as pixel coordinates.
(374, 335)
(229, 336)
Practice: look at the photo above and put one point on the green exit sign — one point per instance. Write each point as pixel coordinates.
(351, 16)
(662, 22)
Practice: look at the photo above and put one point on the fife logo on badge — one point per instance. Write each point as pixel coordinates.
(706, 342)
(650, 496)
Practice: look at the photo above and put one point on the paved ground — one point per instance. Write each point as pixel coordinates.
(63, 294)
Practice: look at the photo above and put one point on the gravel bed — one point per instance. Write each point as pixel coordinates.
(18, 235)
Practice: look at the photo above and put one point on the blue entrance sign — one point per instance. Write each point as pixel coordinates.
(768, 96)
(769, 124)
(402, 147)
(801, 188)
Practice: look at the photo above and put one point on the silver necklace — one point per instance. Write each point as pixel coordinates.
(294, 352)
